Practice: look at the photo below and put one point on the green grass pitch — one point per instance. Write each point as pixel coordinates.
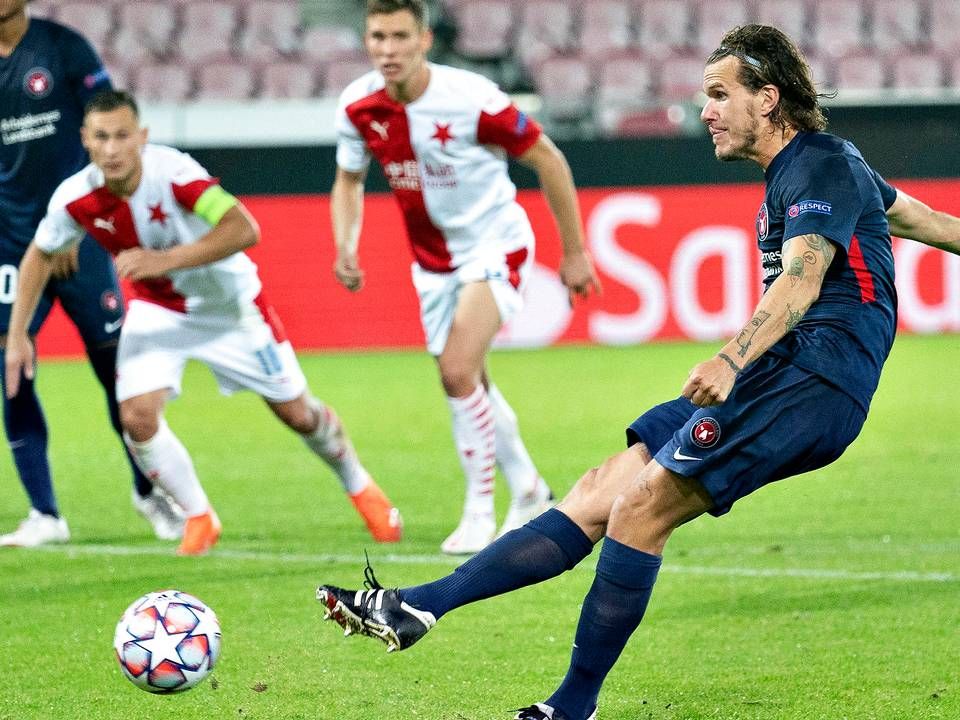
(831, 595)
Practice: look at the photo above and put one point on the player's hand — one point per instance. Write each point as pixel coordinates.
(141, 264)
(578, 276)
(65, 264)
(348, 272)
(19, 363)
(710, 382)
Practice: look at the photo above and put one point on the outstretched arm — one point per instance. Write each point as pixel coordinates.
(556, 179)
(346, 209)
(911, 219)
(35, 270)
(806, 259)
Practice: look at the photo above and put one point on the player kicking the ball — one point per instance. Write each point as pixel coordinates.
(179, 238)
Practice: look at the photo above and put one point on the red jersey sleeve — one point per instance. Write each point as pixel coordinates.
(513, 130)
(188, 193)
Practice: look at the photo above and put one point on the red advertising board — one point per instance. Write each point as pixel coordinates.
(675, 262)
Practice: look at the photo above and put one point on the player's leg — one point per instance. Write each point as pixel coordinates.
(322, 431)
(91, 299)
(475, 322)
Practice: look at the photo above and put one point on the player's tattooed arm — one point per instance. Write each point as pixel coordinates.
(745, 338)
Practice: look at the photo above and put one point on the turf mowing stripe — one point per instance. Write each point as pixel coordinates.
(77, 550)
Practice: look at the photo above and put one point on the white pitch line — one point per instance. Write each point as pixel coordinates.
(75, 550)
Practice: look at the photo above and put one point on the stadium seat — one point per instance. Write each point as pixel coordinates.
(95, 20)
(715, 18)
(485, 29)
(323, 43)
(605, 27)
(788, 15)
(120, 76)
(145, 31)
(644, 123)
(624, 88)
(860, 71)
(897, 24)
(822, 72)
(288, 79)
(209, 30)
(341, 73)
(225, 80)
(566, 86)
(681, 77)
(546, 29)
(162, 82)
(44, 9)
(945, 28)
(663, 25)
(272, 30)
(837, 27)
(953, 75)
(917, 72)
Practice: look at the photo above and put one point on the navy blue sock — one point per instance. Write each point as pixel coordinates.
(543, 548)
(611, 612)
(104, 363)
(27, 435)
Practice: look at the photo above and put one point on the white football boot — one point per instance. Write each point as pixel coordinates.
(473, 534)
(526, 508)
(161, 512)
(37, 529)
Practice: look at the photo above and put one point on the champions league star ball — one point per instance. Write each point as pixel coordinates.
(167, 641)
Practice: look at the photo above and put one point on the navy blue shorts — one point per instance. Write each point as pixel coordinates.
(91, 296)
(778, 421)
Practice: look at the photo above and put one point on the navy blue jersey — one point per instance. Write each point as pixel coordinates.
(44, 86)
(820, 184)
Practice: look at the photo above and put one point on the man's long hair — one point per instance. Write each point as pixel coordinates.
(768, 57)
(388, 7)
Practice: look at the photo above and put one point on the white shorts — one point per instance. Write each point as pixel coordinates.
(504, 273)
(245, 352)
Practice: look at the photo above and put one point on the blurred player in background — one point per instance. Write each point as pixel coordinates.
(179, 237)
(47, 73)
(787, 395)
(442, 136)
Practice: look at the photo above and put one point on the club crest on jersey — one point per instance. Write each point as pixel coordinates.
(38, 82)
(763, 223)
(442, 134)
(805, 206)
(110, 301)
(705, 432)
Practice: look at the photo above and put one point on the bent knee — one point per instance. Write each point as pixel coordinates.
(139, 420)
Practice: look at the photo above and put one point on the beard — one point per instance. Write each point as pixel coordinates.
(745, 148)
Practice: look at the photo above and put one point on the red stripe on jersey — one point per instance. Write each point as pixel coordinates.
(187, 195)
(515, 261)
(514, 131)
(382, 122)
(860, 270)
(109, 221)
(271, 318)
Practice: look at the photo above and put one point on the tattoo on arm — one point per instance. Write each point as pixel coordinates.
(733, 366)
(795, 273)
(793, 317)
(746, 335)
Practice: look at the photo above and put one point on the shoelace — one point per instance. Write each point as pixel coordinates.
(369, 579)
(531, 713)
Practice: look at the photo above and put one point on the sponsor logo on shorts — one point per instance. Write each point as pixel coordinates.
(110, 327)
(705, 433)
(677, 455)
(805, 206)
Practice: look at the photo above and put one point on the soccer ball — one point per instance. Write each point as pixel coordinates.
(167, 641)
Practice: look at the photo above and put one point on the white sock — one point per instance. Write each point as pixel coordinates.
(512, 455)
(165, 460)
(330, 442)
(475, 438)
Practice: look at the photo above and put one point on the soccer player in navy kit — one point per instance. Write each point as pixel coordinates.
(806, 364)
(47, 74)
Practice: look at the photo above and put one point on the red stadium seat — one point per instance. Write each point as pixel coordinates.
(917, 72)
(209, 30)
(94, 20)
(837, 27)
(681, 77)
(342, 73)
(44, 9)
(897, 24)
(860, 71)
(624, 87)
(945, 27)
(954, 74)
(663, 25)
(225, 80)
(605, 27)
(324, 43)
(546, 28)
(485, 29)
(566, 86)
(272, 29)
(288, 79)
(162, 82)
(119, 76)
(788, 15)
(146, 30)
(716, 17)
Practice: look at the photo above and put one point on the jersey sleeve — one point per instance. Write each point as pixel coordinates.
(58, 231)
(888, 193)
(825, 201)
(352, 152)
(503, 123)
(85, 71)
(189, 181)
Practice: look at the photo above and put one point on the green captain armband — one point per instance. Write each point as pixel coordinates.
(213, 204)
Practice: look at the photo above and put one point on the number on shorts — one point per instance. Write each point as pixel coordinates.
(8, 284)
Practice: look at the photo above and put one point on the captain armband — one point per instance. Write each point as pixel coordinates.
(213, 204)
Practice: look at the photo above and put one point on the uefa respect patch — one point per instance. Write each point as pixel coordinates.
(804, 206)
(705, 432)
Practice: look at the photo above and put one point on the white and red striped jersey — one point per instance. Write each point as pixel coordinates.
(445, 157)
(158, 215)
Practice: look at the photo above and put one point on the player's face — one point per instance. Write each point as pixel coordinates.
(10, 9)
(397, 45)
(115, 140)
(731, 113)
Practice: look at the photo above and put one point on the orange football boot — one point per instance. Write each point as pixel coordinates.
(381, 517)
(200, 533)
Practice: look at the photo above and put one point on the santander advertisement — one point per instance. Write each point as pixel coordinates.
(675, 263)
